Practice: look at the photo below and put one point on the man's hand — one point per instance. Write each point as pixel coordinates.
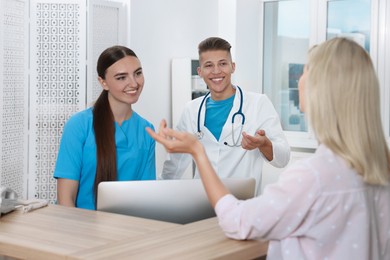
(259, 141)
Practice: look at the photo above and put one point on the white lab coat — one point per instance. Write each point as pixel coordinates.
(228, 161)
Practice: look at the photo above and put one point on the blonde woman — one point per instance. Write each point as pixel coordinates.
(335, 204)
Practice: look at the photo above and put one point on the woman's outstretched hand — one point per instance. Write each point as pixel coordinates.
(175, 141)
(183, 142)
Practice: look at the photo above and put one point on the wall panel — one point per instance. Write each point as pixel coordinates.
(57, 84)
(14, 115)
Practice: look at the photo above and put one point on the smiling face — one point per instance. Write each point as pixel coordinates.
(216, 69)
(124, 81)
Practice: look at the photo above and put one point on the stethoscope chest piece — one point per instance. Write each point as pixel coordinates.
(199, 135)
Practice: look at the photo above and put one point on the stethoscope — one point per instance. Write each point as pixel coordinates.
(236, 143)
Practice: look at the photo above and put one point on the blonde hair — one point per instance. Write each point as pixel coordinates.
(343, 107)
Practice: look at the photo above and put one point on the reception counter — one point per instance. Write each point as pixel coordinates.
(57, 232)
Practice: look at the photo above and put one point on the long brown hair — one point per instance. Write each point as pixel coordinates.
(103, 120)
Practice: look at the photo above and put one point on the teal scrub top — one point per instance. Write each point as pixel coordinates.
(216, 114)
(77, 153)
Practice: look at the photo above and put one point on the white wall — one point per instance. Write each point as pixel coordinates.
(160, 31)
(247, 46)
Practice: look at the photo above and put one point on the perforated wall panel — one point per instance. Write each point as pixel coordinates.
(43, 81)
(104, 33)
(58, 37)
(14, 96)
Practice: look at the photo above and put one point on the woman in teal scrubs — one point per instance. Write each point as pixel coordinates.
(106, 142)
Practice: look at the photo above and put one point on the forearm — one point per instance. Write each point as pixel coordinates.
(214, 187)
(267, 150)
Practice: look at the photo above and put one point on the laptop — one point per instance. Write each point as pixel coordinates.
(178, 201)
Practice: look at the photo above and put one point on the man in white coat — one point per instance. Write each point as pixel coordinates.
(239, 129)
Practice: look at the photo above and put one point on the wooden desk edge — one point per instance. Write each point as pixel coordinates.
(197, 240)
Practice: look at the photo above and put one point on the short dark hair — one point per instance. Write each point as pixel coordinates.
(213, 44)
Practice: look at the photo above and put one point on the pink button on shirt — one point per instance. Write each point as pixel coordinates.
(319, 209)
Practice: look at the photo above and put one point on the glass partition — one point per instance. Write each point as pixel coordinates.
(286, 36)
(351, 19)
(289, 27)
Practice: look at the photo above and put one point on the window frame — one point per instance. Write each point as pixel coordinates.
(379, 38)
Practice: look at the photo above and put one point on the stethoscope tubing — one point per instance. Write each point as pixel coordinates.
(200, 134)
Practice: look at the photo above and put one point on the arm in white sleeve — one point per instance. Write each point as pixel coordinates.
(176, 164)
(274, 131)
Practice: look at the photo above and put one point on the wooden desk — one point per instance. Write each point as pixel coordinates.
(57, 232)
(199, 240)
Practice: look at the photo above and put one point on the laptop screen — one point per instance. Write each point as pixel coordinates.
(179, 201)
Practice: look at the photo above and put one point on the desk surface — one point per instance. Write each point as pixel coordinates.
(199, 240)
(57, 232)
